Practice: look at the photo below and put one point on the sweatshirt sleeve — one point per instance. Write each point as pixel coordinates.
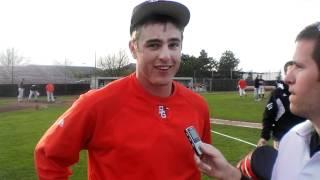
(207, 133)
(60, 146)
(269, 117)
(206, 136)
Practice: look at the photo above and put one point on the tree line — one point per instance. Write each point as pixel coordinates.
(202, 66)
(118, 64)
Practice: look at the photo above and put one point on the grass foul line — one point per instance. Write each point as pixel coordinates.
(237, 139)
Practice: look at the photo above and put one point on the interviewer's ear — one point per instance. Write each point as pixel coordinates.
(133, 48)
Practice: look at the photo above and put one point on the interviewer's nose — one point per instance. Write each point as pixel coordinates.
(289, 78)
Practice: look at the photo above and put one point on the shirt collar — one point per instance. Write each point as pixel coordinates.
(314, 143)
(304, 129)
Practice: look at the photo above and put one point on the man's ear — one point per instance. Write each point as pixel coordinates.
(133, 49)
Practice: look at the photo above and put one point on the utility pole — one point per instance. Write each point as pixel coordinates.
(95, 66)
(12, 64)
(211, 82)
(65, 70)
(65, 75)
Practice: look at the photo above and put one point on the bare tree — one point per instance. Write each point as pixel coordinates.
(114, 64)
(11, 58)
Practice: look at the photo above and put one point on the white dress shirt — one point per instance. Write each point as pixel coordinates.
(293, 161)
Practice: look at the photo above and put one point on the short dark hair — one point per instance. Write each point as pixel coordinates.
(312, 32)
(286, 65)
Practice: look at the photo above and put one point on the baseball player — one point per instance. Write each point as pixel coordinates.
(242, 85)
(21, 90)
(133, 128)
(50, 90)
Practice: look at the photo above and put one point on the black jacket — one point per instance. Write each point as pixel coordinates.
(256, 83)
(33, 88)
(277, 117)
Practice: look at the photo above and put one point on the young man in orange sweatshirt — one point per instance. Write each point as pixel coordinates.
(133, 128)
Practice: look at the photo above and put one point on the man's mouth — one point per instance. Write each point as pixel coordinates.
(291, 91)
(163, 67)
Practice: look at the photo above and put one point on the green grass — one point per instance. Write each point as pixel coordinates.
(67, 98)
(21, 130)
(231, 106)
(232, 148)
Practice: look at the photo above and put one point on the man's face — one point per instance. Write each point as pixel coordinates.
(158, 54)
(304, 85)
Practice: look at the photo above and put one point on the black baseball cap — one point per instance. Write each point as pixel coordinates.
(152, 8)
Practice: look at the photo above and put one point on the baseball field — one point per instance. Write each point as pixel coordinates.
(22, 125)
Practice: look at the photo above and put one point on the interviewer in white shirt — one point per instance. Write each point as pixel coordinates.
(299, 151)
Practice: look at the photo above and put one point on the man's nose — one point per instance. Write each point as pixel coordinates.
(164, 54)
(289, 77)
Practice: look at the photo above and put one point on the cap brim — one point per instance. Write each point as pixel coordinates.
(175, 10)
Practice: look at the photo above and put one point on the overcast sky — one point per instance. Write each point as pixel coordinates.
(261, 33)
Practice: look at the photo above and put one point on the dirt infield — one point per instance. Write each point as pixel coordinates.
(236, 123)
(14, 106)
(11, 107)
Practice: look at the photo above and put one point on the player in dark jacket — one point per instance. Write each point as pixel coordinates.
(256, 88)
(277, 117)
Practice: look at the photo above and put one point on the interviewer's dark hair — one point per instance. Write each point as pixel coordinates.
(286, 65)
(312, 32)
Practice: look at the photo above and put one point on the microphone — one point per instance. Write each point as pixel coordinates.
(258, 163)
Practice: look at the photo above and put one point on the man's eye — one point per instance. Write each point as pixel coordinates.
(174, 45)
(297, 66)
(154, 46)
